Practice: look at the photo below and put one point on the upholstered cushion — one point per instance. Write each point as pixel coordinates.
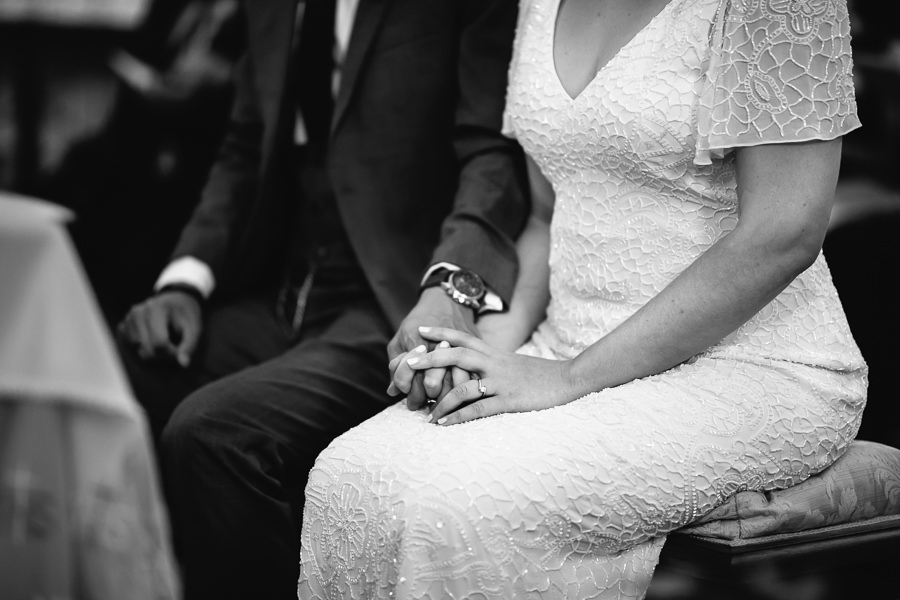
(862, 485)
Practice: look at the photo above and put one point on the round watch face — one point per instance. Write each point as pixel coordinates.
(468, 283)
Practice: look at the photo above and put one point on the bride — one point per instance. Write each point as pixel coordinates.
(674, 336)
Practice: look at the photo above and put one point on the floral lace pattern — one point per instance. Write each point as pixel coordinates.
(779, 70)
(575, 501)
(801, 18)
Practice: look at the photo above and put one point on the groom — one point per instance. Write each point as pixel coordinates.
(363, 168)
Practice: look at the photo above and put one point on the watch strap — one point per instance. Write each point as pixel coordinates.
(435, 278)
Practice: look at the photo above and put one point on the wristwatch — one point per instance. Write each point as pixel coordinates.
(465, 287)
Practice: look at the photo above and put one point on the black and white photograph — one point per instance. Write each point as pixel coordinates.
(449, 300)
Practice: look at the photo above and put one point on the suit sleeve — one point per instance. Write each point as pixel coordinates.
(215, 225)
(491, 202)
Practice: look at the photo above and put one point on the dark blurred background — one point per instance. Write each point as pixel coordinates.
(115, 108)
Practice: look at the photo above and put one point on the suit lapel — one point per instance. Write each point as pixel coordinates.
(369, 14)
(271, 26)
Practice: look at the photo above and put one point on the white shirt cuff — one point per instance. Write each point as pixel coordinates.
(190, 270)
(492, 302)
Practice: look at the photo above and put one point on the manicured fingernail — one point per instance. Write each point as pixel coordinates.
(424, 329)
(444, 344)
(442, 420)
(430, 417)
(412, 361)
(420, 348)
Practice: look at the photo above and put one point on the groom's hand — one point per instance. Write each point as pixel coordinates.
(434, 309)
(166, 324)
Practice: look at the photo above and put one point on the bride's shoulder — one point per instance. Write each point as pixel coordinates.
(799, 20)
(772, 32)
(778, 71)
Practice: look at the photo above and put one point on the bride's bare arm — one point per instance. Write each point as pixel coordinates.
(785, 193)
(511, 329)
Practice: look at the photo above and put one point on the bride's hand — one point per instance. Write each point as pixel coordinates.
(506, 382)
(402, 379)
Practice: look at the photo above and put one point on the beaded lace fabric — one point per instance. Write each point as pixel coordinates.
(575, 501)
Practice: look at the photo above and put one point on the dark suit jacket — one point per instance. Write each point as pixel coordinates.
(420, 170)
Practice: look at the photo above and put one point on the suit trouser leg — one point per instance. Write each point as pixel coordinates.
(236, 453)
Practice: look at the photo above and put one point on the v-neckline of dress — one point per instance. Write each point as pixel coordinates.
(623, 48)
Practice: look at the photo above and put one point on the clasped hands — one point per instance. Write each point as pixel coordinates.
(461, 363)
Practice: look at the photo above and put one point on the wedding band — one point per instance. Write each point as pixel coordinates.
(481, 389)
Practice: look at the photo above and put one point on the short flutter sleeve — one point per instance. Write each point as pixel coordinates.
(777, 71)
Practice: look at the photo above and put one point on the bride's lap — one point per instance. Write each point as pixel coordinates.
(629, 463)
(570, 502)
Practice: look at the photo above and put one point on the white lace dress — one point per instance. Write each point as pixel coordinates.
(575, 501)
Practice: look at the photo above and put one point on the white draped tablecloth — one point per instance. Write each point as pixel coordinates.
(116, 14)
(81, 511)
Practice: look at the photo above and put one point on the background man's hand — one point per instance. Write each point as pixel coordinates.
(167, 324)
(434, 309)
